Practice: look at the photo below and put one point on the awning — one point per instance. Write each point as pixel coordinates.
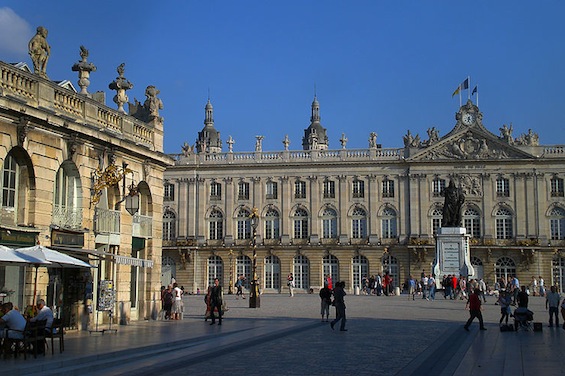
(118, 259)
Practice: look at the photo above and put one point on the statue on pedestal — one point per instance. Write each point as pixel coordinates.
(39, 52)
(454, 199)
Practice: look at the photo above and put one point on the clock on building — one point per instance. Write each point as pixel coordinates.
(468, 118)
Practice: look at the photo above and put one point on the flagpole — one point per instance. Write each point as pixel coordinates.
(477, 95)
(460, 103)
(469, 89)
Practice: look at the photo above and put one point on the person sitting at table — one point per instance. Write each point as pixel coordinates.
(14, 323)
(45, 314)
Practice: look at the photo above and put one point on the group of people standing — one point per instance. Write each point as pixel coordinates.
(171, 300)
(377, 285)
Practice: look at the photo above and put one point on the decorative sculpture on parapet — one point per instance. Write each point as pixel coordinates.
(120, 84)
(259, 143)
(187, 149)
(83, 68)
(230, 143)
(454, 199)
(528, 139)
(149, 111)
(373, 140)
(39, 52)
(343, 141)
(433, 136)
(410, 141)
(506, 133)
(286, 142)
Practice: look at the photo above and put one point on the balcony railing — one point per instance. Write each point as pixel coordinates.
(106, 221)
(142, 226)
(65, 217)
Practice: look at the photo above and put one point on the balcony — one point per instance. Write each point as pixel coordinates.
(67, 218)
(106, 221)
(142, 226)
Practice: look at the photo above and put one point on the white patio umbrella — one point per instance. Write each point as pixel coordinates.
(55, 260)
(9, 256)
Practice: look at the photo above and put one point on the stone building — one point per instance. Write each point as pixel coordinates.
(355, 212)
(84, 179)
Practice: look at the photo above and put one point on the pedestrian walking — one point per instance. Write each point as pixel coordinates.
(504, 301)
(325, 301)
(474, 306)
(216, 300)
(239, 285)
(432, 286)
(339, 303)
(552, 301)
(290, 284)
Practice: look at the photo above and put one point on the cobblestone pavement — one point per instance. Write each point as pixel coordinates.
(392, 335)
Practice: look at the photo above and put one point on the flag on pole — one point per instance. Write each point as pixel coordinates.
(463, 86)
(474, 90)
(456, 91)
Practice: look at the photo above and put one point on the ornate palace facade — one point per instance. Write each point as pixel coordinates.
(72, 166)
(355, 212)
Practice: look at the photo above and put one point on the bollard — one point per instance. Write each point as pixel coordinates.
(397, 291)
(356, 290)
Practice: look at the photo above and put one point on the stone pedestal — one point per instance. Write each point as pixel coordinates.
(452, 252)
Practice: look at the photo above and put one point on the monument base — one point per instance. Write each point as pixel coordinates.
(452, 252)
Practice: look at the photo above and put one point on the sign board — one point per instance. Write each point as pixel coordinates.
(106, 296)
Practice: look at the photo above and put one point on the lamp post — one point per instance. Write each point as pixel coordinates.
(230, 288)
(254, 299)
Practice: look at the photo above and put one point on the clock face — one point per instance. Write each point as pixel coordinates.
(468, 118)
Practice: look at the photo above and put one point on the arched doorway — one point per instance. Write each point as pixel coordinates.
(505, 267)
(243, 267)
(301, 272)
(390, 265)
(215, 269)
(559, 273)
(330, 265)
(168, 270)
(360, 266)
(272, 273)
(479, 268)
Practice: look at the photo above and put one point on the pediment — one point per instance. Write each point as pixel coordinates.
(470, 144)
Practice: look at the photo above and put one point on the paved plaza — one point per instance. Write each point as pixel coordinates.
(392, 335)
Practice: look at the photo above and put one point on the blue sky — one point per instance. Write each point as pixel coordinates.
(382, 66)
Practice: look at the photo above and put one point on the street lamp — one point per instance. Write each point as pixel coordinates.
(254, 299)
(230, 289)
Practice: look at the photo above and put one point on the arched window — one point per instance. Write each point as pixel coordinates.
(330, 265)
(301, 272)
(272, 224)
(243, 267)
(437, 215)
(272, 273)
(216, 223)
(169, 225)
(558, 264)
(300, 224)
(478, 266)
(15, 188)
(388, 222)
(168, 270)
(505, 267)
(360, 266)
(557, 223)
(329, 224)
(504, 224)
(67, 208)
(215, 269)
(243, 224)
(358, 223)
(472, 222)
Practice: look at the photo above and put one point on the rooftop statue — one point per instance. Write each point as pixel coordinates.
(454, 199)
(39, 51)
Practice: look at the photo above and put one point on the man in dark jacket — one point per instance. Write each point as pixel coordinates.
(216, 302)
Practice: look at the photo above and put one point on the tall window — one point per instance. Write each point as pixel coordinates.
(504, 224)
(301, 272)
(243, 267)
(360, 266)
(390, 266)
(169, 192)
(358, 189)
(388, 222)
(438, 185)
(472, 222)
(330, 264)
(502, 187)
(557, 187)
(359, 223)
(169, 225)
(329, 189)
(557, 223)
(215, 269)
(272, 272)
(299, 189)
(272, 190)
(505, 267)
(329, 224)
(437, 215)
(215, 191)
(9, 182)
(300, 224)
(67, 209)
(243, 190)
(388, 188)
(272, 224)
(216, 223)
(243, 224)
